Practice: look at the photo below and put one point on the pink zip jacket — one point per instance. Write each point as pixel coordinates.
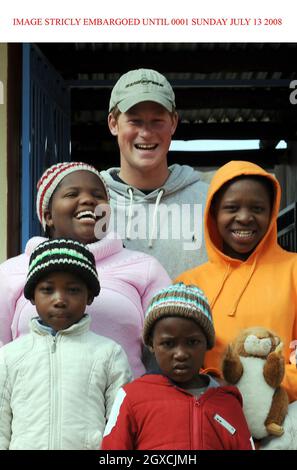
(128, 280)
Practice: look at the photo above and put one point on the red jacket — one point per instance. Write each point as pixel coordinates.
(152, 413)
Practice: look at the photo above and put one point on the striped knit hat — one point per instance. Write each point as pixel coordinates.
(180, 300)
(62, 255)
(50, 180)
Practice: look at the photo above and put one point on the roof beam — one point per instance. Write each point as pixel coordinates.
(270, 131)
(193, 58)
(197, 98)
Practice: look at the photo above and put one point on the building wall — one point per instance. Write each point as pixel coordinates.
(3, 151)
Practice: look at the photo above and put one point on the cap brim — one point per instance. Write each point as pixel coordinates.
(128, 103)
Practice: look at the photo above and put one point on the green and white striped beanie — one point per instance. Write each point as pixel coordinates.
(180, 300)
(63, 255)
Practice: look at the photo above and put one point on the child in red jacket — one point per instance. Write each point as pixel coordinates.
(175, 407)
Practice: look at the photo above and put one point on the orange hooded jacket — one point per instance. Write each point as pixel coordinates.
(261, 291)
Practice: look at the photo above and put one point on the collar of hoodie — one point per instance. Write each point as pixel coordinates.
(130, 191)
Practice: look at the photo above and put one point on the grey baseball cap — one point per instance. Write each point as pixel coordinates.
(141, 85)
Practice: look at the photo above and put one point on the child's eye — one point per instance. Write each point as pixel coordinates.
(231, 208)
(74, 290)
(70, 194)
(194, 342)
(258, 209)
(45, 289)
(167, 343)
(100, 196)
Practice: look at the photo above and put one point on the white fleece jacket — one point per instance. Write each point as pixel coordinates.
(56, 392)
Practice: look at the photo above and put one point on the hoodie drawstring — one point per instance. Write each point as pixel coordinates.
(160, 194)
(225, 276)
(246, 283)
(130, 213)
(233, 310)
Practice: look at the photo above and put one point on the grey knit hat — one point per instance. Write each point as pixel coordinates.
(64, 255)
(180, 300)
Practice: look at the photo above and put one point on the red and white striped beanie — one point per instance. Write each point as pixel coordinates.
(50, 180)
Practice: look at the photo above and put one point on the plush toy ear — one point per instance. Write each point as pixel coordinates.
(277, 340)
(279, 348)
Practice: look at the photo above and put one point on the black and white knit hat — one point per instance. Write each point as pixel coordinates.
(62, 255)
(50, 179)
(180, 300)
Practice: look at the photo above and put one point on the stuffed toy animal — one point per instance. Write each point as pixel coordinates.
(254, 363)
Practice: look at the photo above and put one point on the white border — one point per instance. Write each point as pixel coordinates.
(162, 31)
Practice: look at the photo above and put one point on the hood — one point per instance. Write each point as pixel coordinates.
(156, 374)
(213, 388)
(101, 249)
(180, 177)
(33, 243)
(214, 241)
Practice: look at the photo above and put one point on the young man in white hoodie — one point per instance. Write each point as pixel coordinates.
(156, 209)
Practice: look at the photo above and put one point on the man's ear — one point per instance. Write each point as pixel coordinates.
(32, 301)
(174, 123)
(112, 124)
